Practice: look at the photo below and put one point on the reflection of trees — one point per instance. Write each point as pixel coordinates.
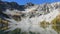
(56, 24)
(16, 31)
(44, 24)
(3, 24)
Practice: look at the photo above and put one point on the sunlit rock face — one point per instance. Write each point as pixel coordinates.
(30, 18)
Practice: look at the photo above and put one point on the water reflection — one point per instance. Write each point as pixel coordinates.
(55, 25)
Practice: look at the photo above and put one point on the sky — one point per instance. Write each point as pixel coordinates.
(22, 2)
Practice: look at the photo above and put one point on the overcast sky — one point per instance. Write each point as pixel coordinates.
(22, 2)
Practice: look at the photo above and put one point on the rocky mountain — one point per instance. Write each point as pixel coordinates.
(30, 18)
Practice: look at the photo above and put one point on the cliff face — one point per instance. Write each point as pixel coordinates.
(30, 17)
